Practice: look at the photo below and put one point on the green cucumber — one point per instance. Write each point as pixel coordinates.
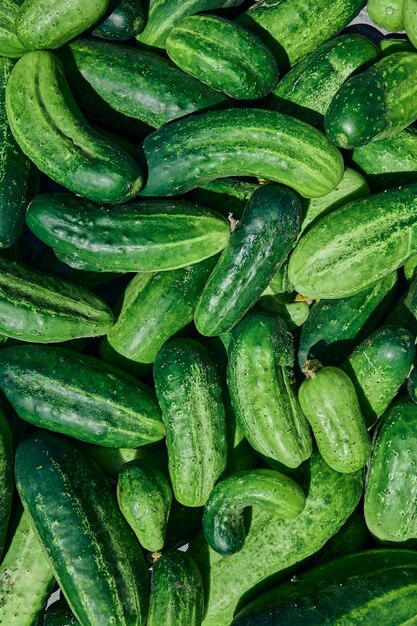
(262, 388)
(223, 521)
(229, 196)
(146, 236)
(177, 597)
(329, 401)
(10, 44)
(335, 327)
(79, 396)
(352, 537)
(94, 554)
(124, 22)
(355, 119)
(155, 307)
(280, 283)
(395, 44)
(387, 13)
(410, 299)
(145, 497)
(59, 614)
(412, 384)
(224, 55)
(111, 460)
(51, 23)
(240, 142)
(190, 395)
(293, 313)
(258, 246)
(53, 133)
(356, 246)
(409, 20)
(6, 478)
(401, 317)
(410, 268)
(108, 353)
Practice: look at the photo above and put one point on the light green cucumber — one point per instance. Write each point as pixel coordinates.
(410, 268)
(410, 20)
(10, 44)
(387, 13)
(389, 45)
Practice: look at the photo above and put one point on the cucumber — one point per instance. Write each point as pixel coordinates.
(223, 521)
(258, 247)
(395, 44)
(177, 592)
(355, 119)
(329, 401)
(26, 578)
(401, 317)
(280, 283)
(124, 22)
(155, 307)
(224, 55)
(6, 478)
(226, 195)
(240, 142)
(146, 236)
(274, 545)
(10, 44)
(412, 385)
(108, 353)
(190, 395)
(145, 497)
(410, 299)
(292, 312)
(356, 246)
(352, 537)
(262, 388)
(53, 133)
(79, 396)
(111, 460)
(409, 20)
(51, 23)
(410, 268)
(335, 327)
(76, 518)
(59, 614)
(387, 13)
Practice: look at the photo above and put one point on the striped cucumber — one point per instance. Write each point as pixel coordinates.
(226, 195)
(59, 614)
(387, 13)
(10, 44)
(409, 20)
(125, 21)
(6, 478)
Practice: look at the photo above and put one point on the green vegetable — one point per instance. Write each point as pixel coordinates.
(59, 614)
(6, 478)
(395, 44)
(111, 460)
(387, 13)
(409, 20)
(10, 45)
(124, 22)
(352, 537)
(293, 313)
(412, 384)
(226, 195)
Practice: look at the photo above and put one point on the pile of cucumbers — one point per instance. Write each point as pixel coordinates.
(208, 313)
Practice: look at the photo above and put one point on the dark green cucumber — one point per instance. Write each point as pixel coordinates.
(59, 614)
(224, 55)
(177, 596)
(240, 142)
(108, 353)
(356, 245)
(401, 317)
(409, 20)
(375, 104)
(378, 367)
(6, 478)
(53, 133)
(146, 236)
(262, 388)
(111, 460)
(190, 395)
(124, 22)
(387, 13)
(257, 248)
(10, 44)
(226, 195)
(223, 520)
(79, 396)
(94, 554)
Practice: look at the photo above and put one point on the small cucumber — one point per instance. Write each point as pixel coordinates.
(226, 195)
(6, 479)
(59, 614)
(387, 13)
(124, 22)
(409, 20)
(10, 44)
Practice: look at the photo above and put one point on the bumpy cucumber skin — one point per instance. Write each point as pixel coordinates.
(51, 23)
(190, 395)
(378, 103)
(262, 388)
(224, 55)
(6, 478)
(145, 497)
(54, 135)
(240, 142)
(79, 396)
(76, 518)
(257, 248)
(10, 45)
(330, 403)
(59, 614)
(378, 367)
(177, 596)
(409, 20)
(155, 307)
(356, 245)
(226, 195)
(223, 521)
(123, 23)
(391, 487)
(146, 236)
(387, 13)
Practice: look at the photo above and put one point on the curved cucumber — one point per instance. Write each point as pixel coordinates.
(226, 195)
(257, 248)
(223, 521)
(387, 13)
(124, 22)
(59, 614)
(53, 133)
(10, 44)
(409, 20)
(79, 396)
(6, 478)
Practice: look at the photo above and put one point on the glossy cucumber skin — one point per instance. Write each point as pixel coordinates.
(391, 484)
(240, 142)
(51, 23)
(54, 135)
(356, 245)
(330, 403)
(79, 396)
(59, 614)
(387, 13)
(146, 236)
(261, 383)
(378, 103)
(155, 307)
(378, 367)
(145, 497)
(10, 45)
(257, 248)
(274, 545)
(123, 23)
(224, 55)
(226, 195)
(177, 596)
(409, 20)
(6, 478)
(77, 519)
(189, 392)
(335, 327)
(223, 521)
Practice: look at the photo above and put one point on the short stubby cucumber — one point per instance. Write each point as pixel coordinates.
(387, 13)
(124, 22)
(10, 44)
(6, 478)
(79, 396)
(53, 133)
(240, 142)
